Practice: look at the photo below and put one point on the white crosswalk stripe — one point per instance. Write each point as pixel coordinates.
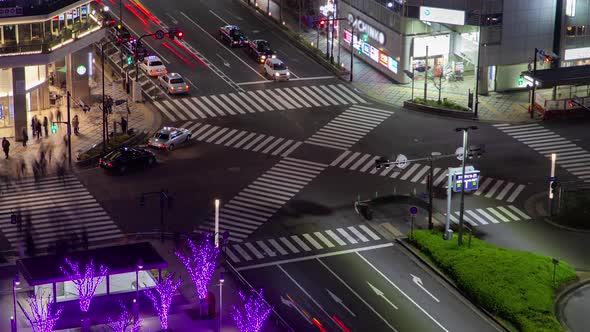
(304, 244)
(349, 127)
(488, 187)
(262, 198)
(289, 98)
(56, 209)
(546, 142)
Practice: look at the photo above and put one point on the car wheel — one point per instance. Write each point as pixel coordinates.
(171, 147)
(188, 138)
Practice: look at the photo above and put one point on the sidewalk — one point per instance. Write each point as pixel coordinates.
(183, 314)
(504, 107)
(140, 118)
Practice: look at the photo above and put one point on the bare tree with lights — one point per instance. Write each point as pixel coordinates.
(250, 316)
(162, 297)
(125, 322)
(200, 263)
(86, 282)
(42, 315)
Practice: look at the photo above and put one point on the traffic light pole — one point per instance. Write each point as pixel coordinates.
(534, 85)
(69, 96)
(104, 145)
(352, 53)
(164, 198)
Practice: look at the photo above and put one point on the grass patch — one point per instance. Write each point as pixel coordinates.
(96, 150)
(515, 285)
(445, 103)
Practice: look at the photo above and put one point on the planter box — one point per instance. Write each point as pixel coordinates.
(94, 160)
(439, 111)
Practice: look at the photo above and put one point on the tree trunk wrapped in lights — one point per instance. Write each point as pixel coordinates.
(162, 297)
(250, 316)
(42, 317)
(124, 321)
(200, 263)
(86, 282)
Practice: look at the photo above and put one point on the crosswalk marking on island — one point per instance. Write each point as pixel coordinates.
(570, 156)
(58, 208)
(485, 216)
(262, 198)
(301, 244)
(196, 108)
(349, 127)
(416, 173)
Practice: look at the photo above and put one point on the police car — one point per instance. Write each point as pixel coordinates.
(173, 83)
(276, 69)
(168, 138)
(260, 50)
(233, 35)
(153, 66)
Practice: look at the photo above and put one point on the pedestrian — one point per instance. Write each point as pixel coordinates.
(58, 115)
(25, 136)
(75, 124)
(34, 125)
(5, 146)
(45, 124)
(51, 117)
(39, 130)
(123, 125)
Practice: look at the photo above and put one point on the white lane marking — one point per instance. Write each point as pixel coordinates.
(242, 252)
(519, 212)
(483, 186)
(402, 292)
(266, 249)
(370, 232)
(288, 244)
(494, 188)
(254, 250)
(515, 193)
(498, 214)
(358, 234)
(485, 214)
(508, 213)
(231, 255)
(336, 238)
(504, 191)
(313, 241)
(277, 246)
(219, 17)
(347, 236)
(300, 243)
(478, 218)
(324, 239)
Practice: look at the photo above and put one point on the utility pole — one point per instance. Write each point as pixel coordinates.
(465, 131)
(69, 96)
(104, 144)
(426, 75)
(532, 107)
(352, 51)
(332, 32)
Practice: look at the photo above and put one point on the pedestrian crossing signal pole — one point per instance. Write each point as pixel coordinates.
(552, 183)
(462, 183)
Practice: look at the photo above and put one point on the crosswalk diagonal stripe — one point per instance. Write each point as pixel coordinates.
(203, 106)
(409, 172)
(350, 93)
(333, 146)
(358, 234)
(324, 239)
(277, 246)
(271, 101)
(276, 142)
(498, 214)
(279, 98)
(505, 190)
(263, 143)
(347, 97)
(466, 218)
(312, 241)
(287, 97)
(370, 232)
(508, 213)
(223, 105)
(434, 174)
(202, 129)
(186, 114)
(231, 255)
(487, 215)
(163, 109)
(254, 141)
(208, 133)
(235, 137)
(241, 102)
(254, 250)
(347, 236)
(173, 109)
(212, 105)
(302, 244)
(282, 147)
(289, 245)
(314, 95)
(478, 218)
(519, 212)
(232, 104)
(193, 107)
(350, 160)
(335, 237)
(494, 188)
(369, 164)
(244, 140)
(219, 132)
(242, 252)
(440, 178)
(486, 182)
(306, 96)
(262, 103)
(297, 97)
(266, 249)
(332, 94)
(252, 100)
(291, 149)
(228, 135)
(324, 95)
(420, 174)
(340, 157)
(360, 161)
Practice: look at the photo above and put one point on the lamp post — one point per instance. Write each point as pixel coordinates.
(465, 131)
(221, 280)
(351, 50)
(217, 223)
(136, 301)
(532, 106)
(15, 282)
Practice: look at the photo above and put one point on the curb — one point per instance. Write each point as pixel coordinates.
(438, 111)
(441, 275)
(563, 296)
(567, 228)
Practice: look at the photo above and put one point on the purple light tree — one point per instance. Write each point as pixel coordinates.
(42, 317)
(124, 321)
(165, 289)
(250, 316)
(87, 282)
(200, 263)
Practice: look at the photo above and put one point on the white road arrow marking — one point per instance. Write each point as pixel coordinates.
(380, 293)
(418, 282)
(225, 63)
(339, 301)
(290, 303)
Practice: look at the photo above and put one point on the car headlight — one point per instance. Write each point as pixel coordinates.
(274, 56)
(263, 57)
(288, 73)
(277, 74)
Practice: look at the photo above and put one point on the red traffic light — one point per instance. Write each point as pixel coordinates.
(571, 103)
(322, 23)
(179, 34)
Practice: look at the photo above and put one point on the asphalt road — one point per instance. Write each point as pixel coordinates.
(575, 309)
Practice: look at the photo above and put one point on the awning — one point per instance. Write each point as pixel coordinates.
(118, 259)
(548, 78)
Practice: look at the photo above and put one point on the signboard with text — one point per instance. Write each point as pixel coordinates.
(471, 181)
(442, 15)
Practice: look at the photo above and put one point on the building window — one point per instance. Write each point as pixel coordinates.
(570, 8)
(570, 31)
(581, 30)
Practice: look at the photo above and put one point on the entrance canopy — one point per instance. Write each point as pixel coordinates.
(549, 78)
(118, 259)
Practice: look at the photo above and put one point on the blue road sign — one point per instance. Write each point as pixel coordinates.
(413, 210)
(471, 181)
(552, 178)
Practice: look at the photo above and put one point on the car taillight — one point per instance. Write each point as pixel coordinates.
(186, 87)
(110, 165)
(119, 40)
(172, 88)
(100, 161)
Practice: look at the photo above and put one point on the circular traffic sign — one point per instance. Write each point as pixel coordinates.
(459, 153)
(401, 161)
(159, 34)
(413, 210)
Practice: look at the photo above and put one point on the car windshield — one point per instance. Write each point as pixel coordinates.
(160, 136)
(264, 47)
(176, 81)
(237, 33)
(124, 33)
(280, 66)
(155, 63)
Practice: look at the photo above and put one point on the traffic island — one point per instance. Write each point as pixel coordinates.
(518, 287)
(445, 107)
(91, 156)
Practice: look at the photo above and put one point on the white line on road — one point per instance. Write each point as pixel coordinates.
(401, 291)
(219, 17)
(255, 82)
(312, 78)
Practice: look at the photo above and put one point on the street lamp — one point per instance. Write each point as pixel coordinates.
(136, 301)
(217, 223)
(465, 131)
(221, 280)
(15, 282)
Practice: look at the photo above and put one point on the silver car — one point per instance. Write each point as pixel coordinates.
(173, 83)
(168, 138)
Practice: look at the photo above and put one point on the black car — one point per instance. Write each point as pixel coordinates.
(233, 35)
(125, 158)
(121, 35)
(260, 50)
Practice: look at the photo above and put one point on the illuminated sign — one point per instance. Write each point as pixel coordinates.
(11, 11)
(374, 54)
(437, 45)
(441, 15)
(364, 27)
(367, 49)
(384, 59)
(81, 70)
(347, 36)
(471, 181)
(577, 53)
(392, 65)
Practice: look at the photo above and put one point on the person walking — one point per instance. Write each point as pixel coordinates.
(34, 125)
(58, 115)
(123, 125)
(5, 146)
(75, 124)
(51, 117)
(45, 124)
(39, 130)
(25, 136)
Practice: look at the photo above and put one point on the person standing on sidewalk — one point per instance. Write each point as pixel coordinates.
(34, 125)
(39, 130)
(75, 124)
(59, 115)
(5, 146)
(123, 125)
(25, 136)
(45, 124)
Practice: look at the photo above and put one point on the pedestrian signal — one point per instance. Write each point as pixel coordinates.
(54, 128)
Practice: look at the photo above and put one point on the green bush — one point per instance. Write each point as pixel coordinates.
(445, 103)
(515, 285)
(96, 150)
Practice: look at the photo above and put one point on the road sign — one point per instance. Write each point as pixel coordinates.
(471, 181)
(159, 34)
(552, 178)
(413, 210)
(401, 161)
(459, 153)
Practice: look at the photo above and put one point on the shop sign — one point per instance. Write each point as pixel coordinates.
(577, 53)
(383, 59)
(392, 65)
(442, 15)
(81, 70)
(437, 45)
(347, 36)
(363, 27)
(11, 11)
(328, 8)
(374, 54)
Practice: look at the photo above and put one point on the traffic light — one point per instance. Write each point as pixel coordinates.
(322, 23)
(381, 162)
(179, 34)
(129, 60)
(54, 128)
(554, 186)
(571, 103)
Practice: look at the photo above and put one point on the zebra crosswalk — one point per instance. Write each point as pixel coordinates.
(489, 187)
(349, 127)
(261, 199)
(484, 216)
(301, 244)
(58, 208)
(573, 158)
(277, 99)
(241, 139)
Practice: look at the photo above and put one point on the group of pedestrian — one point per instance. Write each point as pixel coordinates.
(36, 125)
